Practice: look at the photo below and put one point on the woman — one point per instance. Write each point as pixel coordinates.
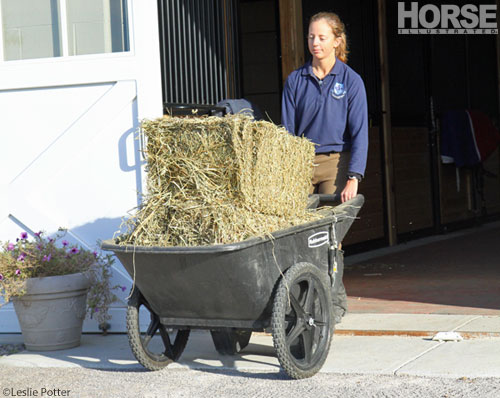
(325, 101)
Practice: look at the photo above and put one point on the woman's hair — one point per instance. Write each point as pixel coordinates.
(338, 29)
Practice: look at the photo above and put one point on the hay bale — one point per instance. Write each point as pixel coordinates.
(216, 180)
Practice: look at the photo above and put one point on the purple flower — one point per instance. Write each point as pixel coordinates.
(123, 288)
(74, 250)
(95, 254)
(1, 277)
(96, 309)
(18, 271)
(51, 240)
(65, 243)
(37, 234)
(24, 235)
(47, 258)
(21, 257)
(10, 247)
(39, 247)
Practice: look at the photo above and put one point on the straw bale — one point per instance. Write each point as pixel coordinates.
(216, 180)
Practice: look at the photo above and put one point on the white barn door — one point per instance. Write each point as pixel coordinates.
(76, 78)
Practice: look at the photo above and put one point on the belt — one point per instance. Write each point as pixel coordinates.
(326, 153)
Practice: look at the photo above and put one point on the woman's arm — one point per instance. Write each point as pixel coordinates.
(288, 106)
(357, 122)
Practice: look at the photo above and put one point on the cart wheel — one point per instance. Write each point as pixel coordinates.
(302, 320)
(152, 348)
(230, 341)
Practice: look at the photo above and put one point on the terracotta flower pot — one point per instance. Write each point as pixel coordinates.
(52, 311)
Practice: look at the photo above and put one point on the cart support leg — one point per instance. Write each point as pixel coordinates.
(336, 272)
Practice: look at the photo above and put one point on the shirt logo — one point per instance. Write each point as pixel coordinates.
(338, 91)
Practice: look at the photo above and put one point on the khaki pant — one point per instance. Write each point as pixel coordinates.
(330, 173)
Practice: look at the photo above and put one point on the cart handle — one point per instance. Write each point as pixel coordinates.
(317, 199)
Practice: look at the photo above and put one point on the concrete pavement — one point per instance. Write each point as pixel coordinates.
(399, 344)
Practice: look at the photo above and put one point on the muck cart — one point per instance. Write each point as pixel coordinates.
(282, 283)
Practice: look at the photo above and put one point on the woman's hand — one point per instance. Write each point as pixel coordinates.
(350, 190)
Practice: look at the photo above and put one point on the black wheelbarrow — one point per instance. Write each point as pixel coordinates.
(284, 283)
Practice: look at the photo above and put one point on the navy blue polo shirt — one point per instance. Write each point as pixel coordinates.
(332, 113)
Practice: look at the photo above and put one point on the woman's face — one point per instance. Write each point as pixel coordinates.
(321, 40)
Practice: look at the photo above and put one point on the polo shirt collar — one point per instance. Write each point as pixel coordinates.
(307, 69)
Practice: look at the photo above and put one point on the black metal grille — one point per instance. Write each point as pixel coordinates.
(198, 50)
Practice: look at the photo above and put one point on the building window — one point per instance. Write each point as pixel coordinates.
(53, 28)
(30, 29)
(96, 26)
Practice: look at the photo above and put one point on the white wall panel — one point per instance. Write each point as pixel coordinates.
(36, 118)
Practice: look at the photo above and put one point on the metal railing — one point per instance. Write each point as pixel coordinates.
(199, 50)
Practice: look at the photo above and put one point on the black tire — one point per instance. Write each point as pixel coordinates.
(157, 355)
(302, 326)
(230, 341)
